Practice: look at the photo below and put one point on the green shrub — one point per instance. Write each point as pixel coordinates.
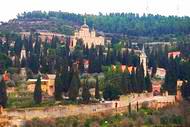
(164, 120)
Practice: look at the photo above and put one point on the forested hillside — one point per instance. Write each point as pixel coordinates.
(122, 23)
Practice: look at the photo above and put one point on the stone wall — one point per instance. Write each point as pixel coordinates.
(63, 111)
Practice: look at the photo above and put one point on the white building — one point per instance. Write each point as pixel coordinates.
(88, 37)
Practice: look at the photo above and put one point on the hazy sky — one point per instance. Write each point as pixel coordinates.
(10, 8)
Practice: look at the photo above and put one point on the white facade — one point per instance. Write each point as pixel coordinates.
(143, 60)
(88, 37)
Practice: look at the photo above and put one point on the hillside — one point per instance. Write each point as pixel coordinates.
(53, 25)
(111, 24)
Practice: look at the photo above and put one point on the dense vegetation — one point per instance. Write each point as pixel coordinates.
(121, 23)
(57, 58)
(68, 65)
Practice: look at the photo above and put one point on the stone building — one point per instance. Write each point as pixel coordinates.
(45, 36)
(47, 84)
(174, 54)
(88, 37)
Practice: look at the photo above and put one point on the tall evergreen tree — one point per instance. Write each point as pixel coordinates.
(170, 83)
(133, 81)
(30, 42)
(185, 90)
(37, 45)
(74, 86)
(140, 78)
(65, 76)
(148, 83)
(85, 92)
(111, 92)
(58, 88)
(97, 91)
(3, 93)
(125, 80)
(34, 63)
(38, 91)
(18, 46)
(154, 68)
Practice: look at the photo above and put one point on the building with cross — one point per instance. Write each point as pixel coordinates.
(89, 37)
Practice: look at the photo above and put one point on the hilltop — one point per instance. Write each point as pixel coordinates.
(113, 23)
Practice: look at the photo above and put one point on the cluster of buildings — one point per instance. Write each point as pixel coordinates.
(45, 36)
(88, 36)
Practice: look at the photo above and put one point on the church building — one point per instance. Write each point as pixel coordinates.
(88, 37)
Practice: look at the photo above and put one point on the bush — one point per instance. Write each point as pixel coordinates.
(111, 92)
(164, 120)
(177, 120)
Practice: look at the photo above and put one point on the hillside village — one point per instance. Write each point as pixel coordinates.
(88, 69)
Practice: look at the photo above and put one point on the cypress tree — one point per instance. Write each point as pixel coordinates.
(65, 76)
(38, 91)
(154, 68)
(30, 42)
(97, 92)
(125, 82)
(18, 45)
(74, 86)
(58, 89)
(185, 90)
(111, 92)
(170, 83)
(3, 93)
(81, 65)
(133, 81)
(85, 92)
(37, 45)
(140, 78)
(148, 83)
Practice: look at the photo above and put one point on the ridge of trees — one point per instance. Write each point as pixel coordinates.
(121, 23)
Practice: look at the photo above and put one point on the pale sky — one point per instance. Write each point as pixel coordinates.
(10, 8)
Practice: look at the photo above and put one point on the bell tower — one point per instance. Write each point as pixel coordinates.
(23, 53)
(143, 60)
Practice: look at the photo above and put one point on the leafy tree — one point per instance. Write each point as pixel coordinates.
(38, 91)
(3, 93)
